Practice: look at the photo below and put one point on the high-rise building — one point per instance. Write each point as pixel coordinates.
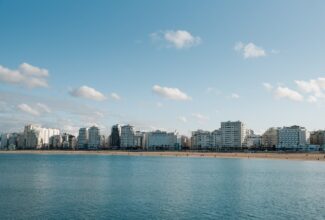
(83, 138)
(115, 137)
(4, 141)
(291, 138)
(94, 138)
(127, 136)
(233, 134)
(37, 137)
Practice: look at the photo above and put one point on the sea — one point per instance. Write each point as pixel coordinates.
(54, 186)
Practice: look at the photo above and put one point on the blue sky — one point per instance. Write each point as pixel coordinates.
(173, 65)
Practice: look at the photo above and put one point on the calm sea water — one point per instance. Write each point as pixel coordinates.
(125, 187)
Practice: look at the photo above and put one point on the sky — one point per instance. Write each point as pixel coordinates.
(171, 65)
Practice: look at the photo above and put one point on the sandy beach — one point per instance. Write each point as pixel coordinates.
(273, 155)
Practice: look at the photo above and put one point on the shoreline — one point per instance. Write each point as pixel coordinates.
(240, 155)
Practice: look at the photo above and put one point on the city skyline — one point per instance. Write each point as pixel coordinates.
(167, 67)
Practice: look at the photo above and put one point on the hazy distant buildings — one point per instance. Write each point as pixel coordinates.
(253, 140)
(270, 138)
(201, 140)
(36, 137)
(317, 137)
(140, 139)
(127, 136)
(216, 139)
(233, 134)
(69, 141)
(83, 138)
(162, 140)
(56, 142)
(291, 138)
(4, 141)
(115, 137)
(94, 138)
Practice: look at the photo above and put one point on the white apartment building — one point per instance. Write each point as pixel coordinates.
(293, 137)
(233, 134)
(37, 137)
(253, 140)
(161, 140)
(201, 140)
(127, 136)
(83, 138)
(94, 138)
(140, 139)
(216, 138)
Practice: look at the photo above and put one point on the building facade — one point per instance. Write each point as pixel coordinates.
(162, 140)
(94, 138)
(201, 140)
(317, 138)
(36, 137)
(115, 137)
(127, 136)
(270, 138)
(83, 138)
(233, 134)
(292, 138)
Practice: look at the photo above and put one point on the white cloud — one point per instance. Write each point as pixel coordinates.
(87, 93)
(26, 75)
(249, 50)
(268, 86)
(43, 108)
(28, 109)
(179, 38)
(182, 119)
(284, 92)
(313, 86)
(171, 93)
(33, 70)
(312, 99)
(235, 96)
(200, 116)
(115, 96)
(36, 110)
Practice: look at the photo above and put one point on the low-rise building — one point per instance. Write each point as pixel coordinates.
(253, 141)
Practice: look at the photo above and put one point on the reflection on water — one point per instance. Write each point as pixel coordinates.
(121, 187)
